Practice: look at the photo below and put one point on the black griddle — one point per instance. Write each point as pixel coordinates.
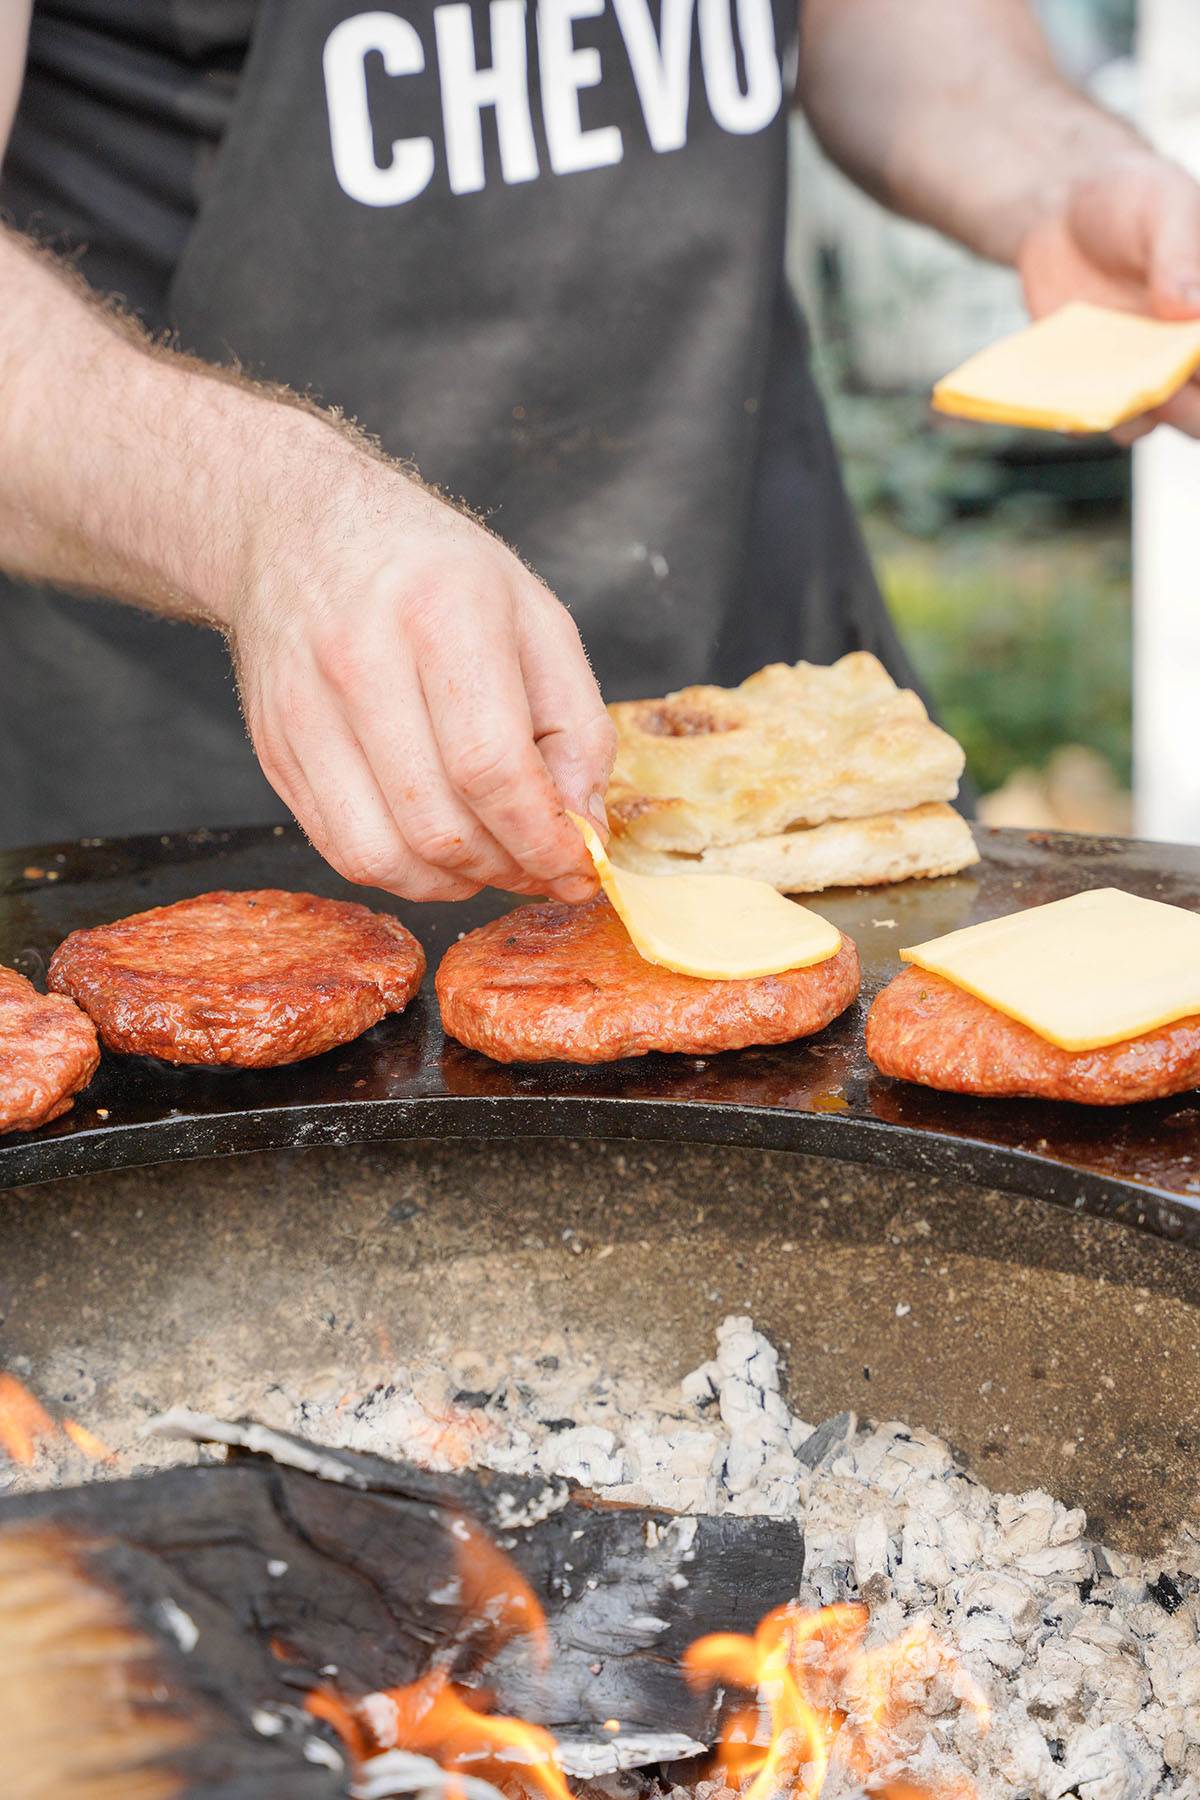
(1140, 1165)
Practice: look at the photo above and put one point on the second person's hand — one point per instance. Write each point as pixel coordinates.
(1126, 236)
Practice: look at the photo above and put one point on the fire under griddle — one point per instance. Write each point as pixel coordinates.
(963, 1641)
(1140, 1165)
(297, 1570)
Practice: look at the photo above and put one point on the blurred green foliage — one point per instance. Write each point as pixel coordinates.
(1024, 641)
(1006, 561)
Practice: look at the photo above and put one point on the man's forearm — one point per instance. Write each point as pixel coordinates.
(417, 697)
(952, 112)
(124, 469)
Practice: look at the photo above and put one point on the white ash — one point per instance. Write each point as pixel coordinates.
(1092, 1683)
(182, 1422)
(181, 1625)
(266, 1722)
(404, 1772)
(586, 1759)
(760, 1468)
(316, 1750)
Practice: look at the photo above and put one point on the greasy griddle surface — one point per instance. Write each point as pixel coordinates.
(404, 1079)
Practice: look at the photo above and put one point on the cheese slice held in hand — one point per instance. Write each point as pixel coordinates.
(1098, 968)
(717, 927)
(1082, 369)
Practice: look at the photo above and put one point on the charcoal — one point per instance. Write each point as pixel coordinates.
(833, 1435)
(1167, 1593)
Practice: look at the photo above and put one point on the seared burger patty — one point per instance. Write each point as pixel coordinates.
(564, 983)
(48, 1051)
(246, 979)
(922, 1028)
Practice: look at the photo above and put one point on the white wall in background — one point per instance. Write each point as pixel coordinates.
(1166, 711)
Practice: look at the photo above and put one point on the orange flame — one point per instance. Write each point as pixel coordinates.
(820, 1688)
(437, 1719)
(87, 1441)
(820, 1691)
(494, 1592)
(434, 1717)
(323, 1703)
(25, 1423)
(774, 1663)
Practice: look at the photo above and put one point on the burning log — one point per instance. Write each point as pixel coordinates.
(221, 1612)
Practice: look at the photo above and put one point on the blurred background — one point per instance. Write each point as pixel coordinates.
(1011, 559)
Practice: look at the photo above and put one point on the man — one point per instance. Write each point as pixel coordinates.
(536, 248)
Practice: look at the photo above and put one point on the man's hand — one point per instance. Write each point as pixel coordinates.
(416, 696)
(420, 701)
(1127, 236)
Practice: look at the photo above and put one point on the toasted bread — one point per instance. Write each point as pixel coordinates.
(710, 767)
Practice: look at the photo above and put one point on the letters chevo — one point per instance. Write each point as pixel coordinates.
(660, 65)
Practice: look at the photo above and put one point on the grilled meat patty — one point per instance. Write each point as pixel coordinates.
(246, 979)
(564, 983)
(922, 1028)
(48, 1051)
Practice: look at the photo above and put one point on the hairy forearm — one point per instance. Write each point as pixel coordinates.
(417, 697)
(952, 112)
(126, 469)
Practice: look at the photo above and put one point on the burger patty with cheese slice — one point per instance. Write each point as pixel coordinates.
(1094, 998)
(565, 983)
(922, 1028)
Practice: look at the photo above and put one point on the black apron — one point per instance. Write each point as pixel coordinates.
(537, 250)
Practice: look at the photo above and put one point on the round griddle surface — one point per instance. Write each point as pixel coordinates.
(405, 1079)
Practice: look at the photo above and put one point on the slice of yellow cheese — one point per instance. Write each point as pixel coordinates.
(718, 927)
(1095, 969)
(1081, 369)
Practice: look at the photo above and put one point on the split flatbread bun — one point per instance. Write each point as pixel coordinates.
(926, 840)
(806, 777)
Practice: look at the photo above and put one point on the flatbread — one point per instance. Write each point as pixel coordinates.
(710, 767)
(926, 840)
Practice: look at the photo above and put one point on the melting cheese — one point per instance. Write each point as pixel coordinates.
(1081, 369)
(718, 927)
(1095, 969)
